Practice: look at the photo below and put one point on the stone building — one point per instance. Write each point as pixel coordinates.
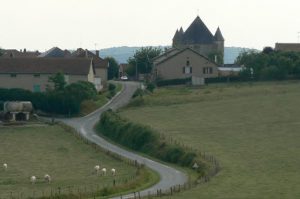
(199, 38)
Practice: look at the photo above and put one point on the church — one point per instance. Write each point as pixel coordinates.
(196, 53)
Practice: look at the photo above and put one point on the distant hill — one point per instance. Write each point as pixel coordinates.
(121, 54)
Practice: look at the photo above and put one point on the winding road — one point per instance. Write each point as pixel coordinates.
(168, 176)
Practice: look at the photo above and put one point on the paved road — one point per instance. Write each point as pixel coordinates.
(169, 176)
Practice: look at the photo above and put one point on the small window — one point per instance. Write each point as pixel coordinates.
(210, 70)
(36, 75)
(13, 75)
(187, 63)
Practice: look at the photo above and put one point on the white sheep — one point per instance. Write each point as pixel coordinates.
(113, 171)
(5, 166)
(104, 171)
(47, 178)
(97, 169)
(32, 179)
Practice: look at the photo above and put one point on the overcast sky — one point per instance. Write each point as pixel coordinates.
(69, 24)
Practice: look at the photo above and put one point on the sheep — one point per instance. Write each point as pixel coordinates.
(32, 179)
(113, 172)
(97, 169)
(47, 178)
(104, 171)
(5, 166)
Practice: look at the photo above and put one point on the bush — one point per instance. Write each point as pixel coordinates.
(66, 101)
(222, 79)
(150, 87)
(170, 82)
(111, 87)
(142, 138)
(138, 93)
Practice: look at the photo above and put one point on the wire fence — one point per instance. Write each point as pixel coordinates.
(77, 191)
(95, 190)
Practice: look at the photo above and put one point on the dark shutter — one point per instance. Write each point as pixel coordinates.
(191, 69)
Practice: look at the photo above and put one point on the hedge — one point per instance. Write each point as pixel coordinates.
(142, 138)
(171, 82)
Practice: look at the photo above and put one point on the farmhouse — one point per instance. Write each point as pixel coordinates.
(185, 63)
(191, 54)
(33, 73)
(100, 66)
(31, 70)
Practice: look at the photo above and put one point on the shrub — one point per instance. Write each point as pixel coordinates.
(150, 87)
(142, 138)
(171, 82)
(111, 87)
(138, 93)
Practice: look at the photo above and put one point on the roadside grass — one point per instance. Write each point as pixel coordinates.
(251, 128)
(88, 106)
(39, 150)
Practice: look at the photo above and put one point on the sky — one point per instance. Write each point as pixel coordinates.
(98, 24)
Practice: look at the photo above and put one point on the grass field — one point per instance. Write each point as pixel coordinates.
(252, 129)
(50, 149)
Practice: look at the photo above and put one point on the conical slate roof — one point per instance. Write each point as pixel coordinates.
(218, 36)
(176, 35)
(198, 33)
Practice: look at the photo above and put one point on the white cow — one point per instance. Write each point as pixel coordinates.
(47, 178)
(32, 179)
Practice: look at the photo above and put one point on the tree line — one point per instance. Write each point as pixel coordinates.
(269, 64)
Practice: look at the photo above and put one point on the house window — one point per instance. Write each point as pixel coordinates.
(36, 75)
(207, 70)
(188, 63)
(13, 75)
(187, 70)
(36, 88)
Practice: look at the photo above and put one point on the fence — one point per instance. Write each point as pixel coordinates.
(84, 191)
(90, 191)
(70, 192)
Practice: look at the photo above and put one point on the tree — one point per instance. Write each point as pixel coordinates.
(58, 81)
(142, 59)
(113, 69)
(81, 90)
(268, 50)
(216, 54)
(269, 64)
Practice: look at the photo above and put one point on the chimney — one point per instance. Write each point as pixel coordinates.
(97, 53)
(86, 53)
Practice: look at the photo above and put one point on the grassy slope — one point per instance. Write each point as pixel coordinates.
(38, 150)
(252, 129)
